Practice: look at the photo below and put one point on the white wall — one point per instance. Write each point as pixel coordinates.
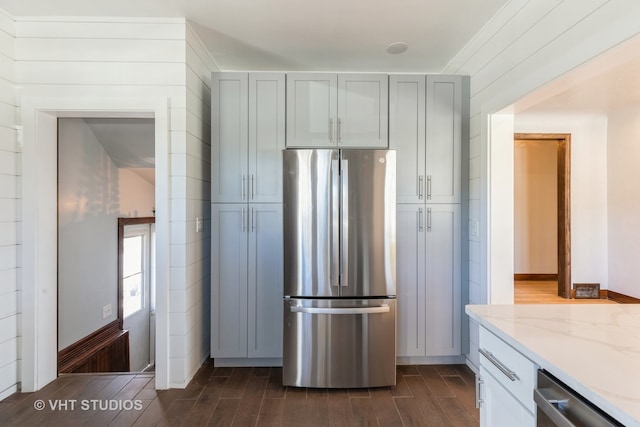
(136, 195)
(92, 194)
(536, 207)
(9, 214)
(88, 210)
(190, 182)
(526, 45)
(136, 59)
(588, 188)
(623, 158)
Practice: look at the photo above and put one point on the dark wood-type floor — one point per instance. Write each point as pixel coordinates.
(425, 395)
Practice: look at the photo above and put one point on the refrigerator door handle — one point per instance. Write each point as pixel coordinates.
(344, 237)
(335, 223)
(348, 310)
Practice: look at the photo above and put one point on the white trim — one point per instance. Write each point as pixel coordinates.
(39, 226)
(107, 19)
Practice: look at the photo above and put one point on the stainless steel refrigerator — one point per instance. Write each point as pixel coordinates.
(339, 268)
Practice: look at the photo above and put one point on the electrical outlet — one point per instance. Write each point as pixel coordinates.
(475, 228)
(106, 311)
(199, 224)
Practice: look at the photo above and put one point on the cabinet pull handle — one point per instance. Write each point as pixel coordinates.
(479, 401)
(420, 187)
(331, 130)
(253, 187)
(498, 364)
(243, 222)
(428, 220)
(244, 179)
(339, 131)
(420, 224)
(253, 220)
(428, 187)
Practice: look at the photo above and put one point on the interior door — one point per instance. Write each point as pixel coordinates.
(136, 294)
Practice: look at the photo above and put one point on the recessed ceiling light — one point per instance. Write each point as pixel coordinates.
(397, 47)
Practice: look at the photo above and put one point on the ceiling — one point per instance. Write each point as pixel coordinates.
(292, 35)
(607, 83)
(128, 142)
(352, 35)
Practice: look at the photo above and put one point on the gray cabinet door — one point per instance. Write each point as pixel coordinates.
(265, 281)
(444, 138)
(247, 137)
(443, 313)
(266, 137)
(346, 110)
(363, 111)
(311, 109)
(407, 135)
(229, 234)
(410, 266)
(229, 128)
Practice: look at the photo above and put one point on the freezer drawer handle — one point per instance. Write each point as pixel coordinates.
(349, 310)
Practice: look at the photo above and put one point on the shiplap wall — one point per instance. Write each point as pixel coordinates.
(9, 208)
(137, 58)
(190, 182)
(527, 44)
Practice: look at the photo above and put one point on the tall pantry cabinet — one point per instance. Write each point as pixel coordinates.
(248, 136)
(428, 121)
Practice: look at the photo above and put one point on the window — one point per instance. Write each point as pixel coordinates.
(135, 266)
(133, 275)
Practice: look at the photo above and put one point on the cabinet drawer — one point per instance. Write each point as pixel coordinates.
(512, 369)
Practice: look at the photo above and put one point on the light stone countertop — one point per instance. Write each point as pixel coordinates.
(592, 348)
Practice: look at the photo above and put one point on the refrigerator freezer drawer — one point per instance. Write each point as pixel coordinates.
(339, 343)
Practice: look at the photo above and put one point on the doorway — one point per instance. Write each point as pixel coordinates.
(562, 145)
(136, 289)
(39, 254)
(106, 169)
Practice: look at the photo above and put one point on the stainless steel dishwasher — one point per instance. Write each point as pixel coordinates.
(558, 405)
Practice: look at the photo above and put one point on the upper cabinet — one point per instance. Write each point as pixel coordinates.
(426, 127)
(247, 137)
(343, 110)
(407, 135)
(444, 137)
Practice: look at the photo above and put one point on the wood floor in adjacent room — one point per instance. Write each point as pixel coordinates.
(546, 292)
(425, 395)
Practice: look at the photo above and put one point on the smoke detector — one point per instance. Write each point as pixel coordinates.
(397, 47)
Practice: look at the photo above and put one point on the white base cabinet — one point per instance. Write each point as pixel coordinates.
(246, 281)
(498, 407)
(505, 384)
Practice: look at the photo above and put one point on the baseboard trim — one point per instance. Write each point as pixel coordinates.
(535, 277)
(620, 298)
